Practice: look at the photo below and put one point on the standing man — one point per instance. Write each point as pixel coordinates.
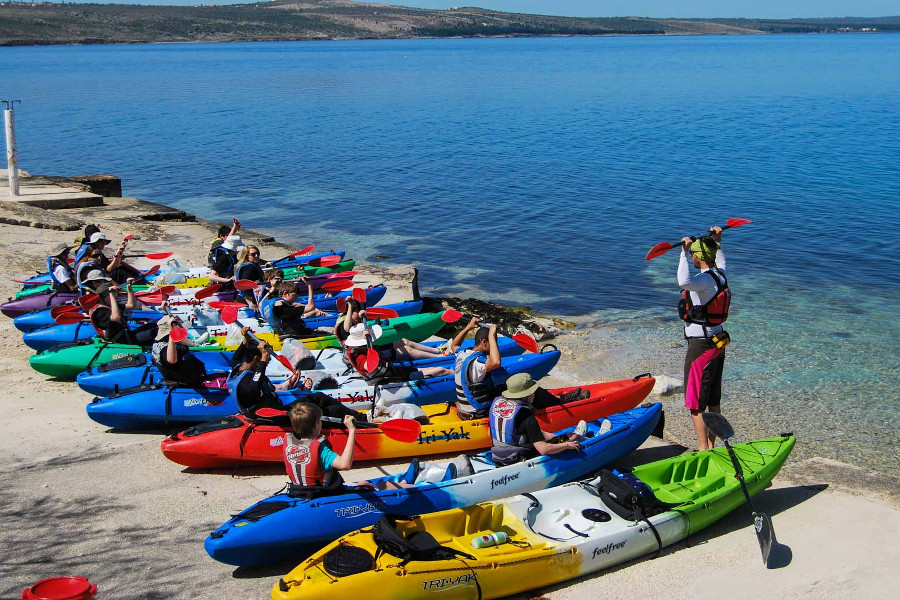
(703, 308)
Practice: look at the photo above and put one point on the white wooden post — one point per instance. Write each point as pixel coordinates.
(11, 158)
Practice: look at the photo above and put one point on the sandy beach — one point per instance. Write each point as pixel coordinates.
(107, 506)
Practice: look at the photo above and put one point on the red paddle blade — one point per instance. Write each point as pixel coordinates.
(325, 261)
(372, 359)
(62, 308)
(342, 275)
(29, 282)
(306, 250)
(526, 342)
(207, 291)
(359, 294)
(337, 285)
(401, 430)
(270, 412)
(284, 360)
(451, 316)
(152, 270)
(164, 290)
(88, 301)
(382, 313)
(737, 222)
(152, 299)
(178, 334)
(219, 305)
(341, 304)
(245, 284)
(168, 290)
(128, 237)
(658, 250)
(70, 318)
(229, 315)
(158, 255)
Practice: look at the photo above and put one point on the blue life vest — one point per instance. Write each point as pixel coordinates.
(471, 397)
(507, 447)
(214, 255)
(82, 270)
(232, 384)
(81, 250)
(266, 310)
(249, 271)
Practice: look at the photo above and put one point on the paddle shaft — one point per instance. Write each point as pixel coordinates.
(359, 424)
(764, 535)
(695, 237)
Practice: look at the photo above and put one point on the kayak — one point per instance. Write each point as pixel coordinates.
(174, 267)
(53, 335)
(67, 361)
(237, 440)
(41, 317)
(281, 527)
(161, 406)
(138, 369)
(554, 535)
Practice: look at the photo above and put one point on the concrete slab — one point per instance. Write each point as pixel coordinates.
(47, 195)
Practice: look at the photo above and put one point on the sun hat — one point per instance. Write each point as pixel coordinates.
(357, 335)
(163, 328)
(95, 275)
(97, 237)
(233, 243)
(519, 385)
(60, 248)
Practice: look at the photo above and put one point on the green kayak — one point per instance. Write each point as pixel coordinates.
(67, 361)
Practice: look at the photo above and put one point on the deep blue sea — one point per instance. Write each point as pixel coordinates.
(539, 172)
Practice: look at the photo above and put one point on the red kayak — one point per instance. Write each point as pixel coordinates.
(237, 441)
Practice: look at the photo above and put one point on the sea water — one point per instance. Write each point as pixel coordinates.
(539, 172)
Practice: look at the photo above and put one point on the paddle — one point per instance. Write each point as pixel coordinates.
(151, 271)
(207, 291)
(372, 356)
(70, 318)
(765, 534)
(166, 289)
(219, 305)
(178, 334)
(244, 284)
(342, 275)
(401, 430)
(297, 253)
(382, 313)
(325, 261)
(663, 247)
(30, 282)
(88, 301)
(151, 255)
(525, 341)
(337, 285)
(341, 304)
(62, 308)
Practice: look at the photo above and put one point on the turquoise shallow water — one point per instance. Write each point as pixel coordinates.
(539, 172)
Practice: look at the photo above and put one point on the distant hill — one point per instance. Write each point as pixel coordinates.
(28, 24)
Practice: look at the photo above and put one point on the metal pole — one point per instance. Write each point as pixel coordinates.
(12, 161)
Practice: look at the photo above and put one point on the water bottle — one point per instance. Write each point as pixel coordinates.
(490, 539)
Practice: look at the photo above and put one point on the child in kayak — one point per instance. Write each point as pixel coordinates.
(402, 349)
(356, 350)
(289, 315)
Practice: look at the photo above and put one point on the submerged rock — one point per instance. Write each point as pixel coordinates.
(509, 319)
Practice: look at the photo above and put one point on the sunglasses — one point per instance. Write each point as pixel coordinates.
(253, 254)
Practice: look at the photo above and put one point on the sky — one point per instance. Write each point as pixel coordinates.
(764, 9)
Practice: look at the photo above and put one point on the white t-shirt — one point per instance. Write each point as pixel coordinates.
(61, 274)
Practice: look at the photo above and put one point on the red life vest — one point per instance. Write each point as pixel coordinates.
(301, 459)
(714, 312)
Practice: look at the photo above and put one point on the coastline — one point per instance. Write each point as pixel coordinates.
(110, 507)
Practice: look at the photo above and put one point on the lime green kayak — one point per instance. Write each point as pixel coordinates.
(306, 271)
(67, 361)
(546, 537)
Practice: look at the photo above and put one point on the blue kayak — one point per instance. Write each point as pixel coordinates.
(136, 370)
(54, 335)
(281, 527)
(41, 318)
(161, 406)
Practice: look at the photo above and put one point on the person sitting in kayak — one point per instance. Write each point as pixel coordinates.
(223, 259)
(402, 349)
(356, 350)
(249, 267)
(110, 319)
(289, 316)
(61, 274)
(252, 390)
(516, 434)
(117, 268)
(85, 242)
(472, 371)
(174, 359)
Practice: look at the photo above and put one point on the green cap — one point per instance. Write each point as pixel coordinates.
(705, 248)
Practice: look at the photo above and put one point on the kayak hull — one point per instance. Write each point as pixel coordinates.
(249, 444)
(281, 527)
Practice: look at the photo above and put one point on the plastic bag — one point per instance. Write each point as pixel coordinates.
(299, 355)
(233, 335)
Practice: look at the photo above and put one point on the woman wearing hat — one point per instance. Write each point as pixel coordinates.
(62, 275)
(704, 361)
(516, 434)
(356, 349)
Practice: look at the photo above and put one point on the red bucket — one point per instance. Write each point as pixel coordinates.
(60, 588)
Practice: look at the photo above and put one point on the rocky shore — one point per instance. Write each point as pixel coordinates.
(83, 500)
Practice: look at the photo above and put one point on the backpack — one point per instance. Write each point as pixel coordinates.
(714, 312)
(416, 545)
(629, 497)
